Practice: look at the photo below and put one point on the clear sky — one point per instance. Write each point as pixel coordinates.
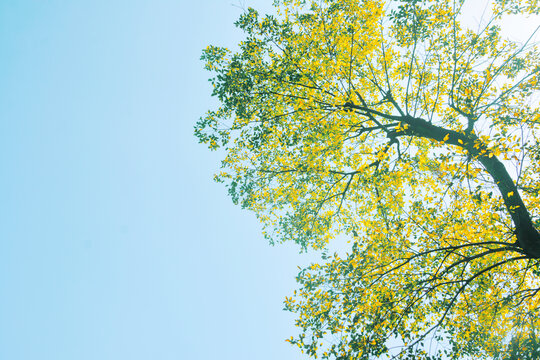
(115, 243)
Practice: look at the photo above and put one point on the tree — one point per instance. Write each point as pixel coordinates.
(395, 125)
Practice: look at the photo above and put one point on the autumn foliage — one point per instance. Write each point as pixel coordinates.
(415, 135)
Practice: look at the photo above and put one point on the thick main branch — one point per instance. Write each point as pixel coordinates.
(528, 237)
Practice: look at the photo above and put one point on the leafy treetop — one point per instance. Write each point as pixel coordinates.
(394, 124)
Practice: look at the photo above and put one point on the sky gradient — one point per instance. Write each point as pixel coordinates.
(115, 243)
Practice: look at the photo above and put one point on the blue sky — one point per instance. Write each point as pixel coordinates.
(114, 241)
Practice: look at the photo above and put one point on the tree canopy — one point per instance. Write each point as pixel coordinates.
(416, 136)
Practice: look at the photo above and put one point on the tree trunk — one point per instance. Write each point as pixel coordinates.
(528, 237)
